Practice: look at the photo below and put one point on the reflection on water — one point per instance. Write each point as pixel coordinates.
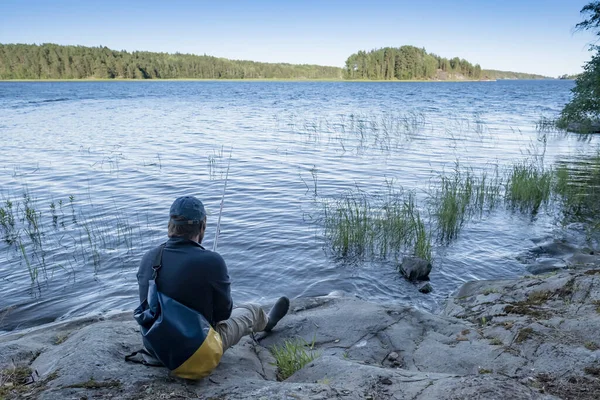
(124, 150)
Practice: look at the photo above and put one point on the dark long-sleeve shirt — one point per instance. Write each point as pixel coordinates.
(192, 275)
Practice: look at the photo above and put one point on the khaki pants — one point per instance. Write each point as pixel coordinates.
(245, 319)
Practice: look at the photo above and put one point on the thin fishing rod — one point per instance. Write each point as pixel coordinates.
(221, 208)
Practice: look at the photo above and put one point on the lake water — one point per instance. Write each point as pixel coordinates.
(102, 162)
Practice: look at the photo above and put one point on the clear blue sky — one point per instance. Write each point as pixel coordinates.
(519, 35)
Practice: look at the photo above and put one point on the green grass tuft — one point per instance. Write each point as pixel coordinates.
(292, 356)
(592, 346)
(14, 379)
(461, 195)
(422, 245)
(349, 224)
(360, 225)
(528, 187)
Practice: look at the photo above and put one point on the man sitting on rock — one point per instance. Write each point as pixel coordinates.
(198, 278)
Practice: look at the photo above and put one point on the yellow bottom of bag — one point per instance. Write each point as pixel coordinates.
(204, 360)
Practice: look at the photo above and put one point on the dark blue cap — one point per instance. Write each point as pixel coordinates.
(189, 208)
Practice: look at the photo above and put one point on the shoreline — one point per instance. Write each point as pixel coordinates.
(531, 268)
(261, 80)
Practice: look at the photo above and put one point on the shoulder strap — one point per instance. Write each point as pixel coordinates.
(157, 262)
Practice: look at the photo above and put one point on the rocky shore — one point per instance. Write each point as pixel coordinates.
(537, 337)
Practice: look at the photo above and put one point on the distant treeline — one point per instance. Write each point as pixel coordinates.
(50, 61)
(495, 74)
(409, 62)
(567, 76)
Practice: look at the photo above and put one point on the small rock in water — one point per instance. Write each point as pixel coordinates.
(426, 288)
(415, 269)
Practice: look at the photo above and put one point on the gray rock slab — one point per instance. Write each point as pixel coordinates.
(547, 324)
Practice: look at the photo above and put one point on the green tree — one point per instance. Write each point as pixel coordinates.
(582, 113)
(51, 61)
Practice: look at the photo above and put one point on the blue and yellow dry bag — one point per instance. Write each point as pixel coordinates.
(178, 336)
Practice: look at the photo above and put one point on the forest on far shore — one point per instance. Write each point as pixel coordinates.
(51, 61)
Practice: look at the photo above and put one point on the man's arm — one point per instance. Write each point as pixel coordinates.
(222, 302)
(144, 274)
